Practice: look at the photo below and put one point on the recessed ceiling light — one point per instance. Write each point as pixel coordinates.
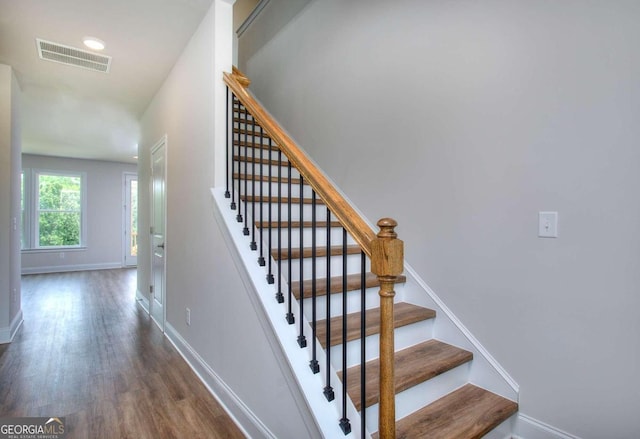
(93, 43)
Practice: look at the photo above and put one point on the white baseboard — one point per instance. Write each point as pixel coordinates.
(66, 268)
(246, 420)
(7, 333)
(143, 301)
(530, 428)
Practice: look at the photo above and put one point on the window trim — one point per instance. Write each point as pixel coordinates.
(32, 212)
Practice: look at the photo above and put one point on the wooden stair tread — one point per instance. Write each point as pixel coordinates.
(467, 413)
(307, 252)
(266, 178)
(294, 224)
(244, 144)
(244, 119)
(353, 283)
(258, 160)
(413, 366)
(294, 200)
(403, 313)
(250, 132)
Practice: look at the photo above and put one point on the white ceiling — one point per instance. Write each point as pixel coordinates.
(72, 112)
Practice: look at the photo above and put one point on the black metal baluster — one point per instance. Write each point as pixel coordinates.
(363, 351)
(290, 318)
(270, 279)
(240, 155)
(261, 261)
(254, 197)
(302, 341)
(313, 364)
(328, 390)
(345, 425)
(245, 231)
(279, 295)
(233, 153)
(227, 194)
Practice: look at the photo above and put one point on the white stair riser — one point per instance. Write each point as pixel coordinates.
(353, 266)
(239, 168)
(321, 237)
(353, 303)
(279, 166)
(295, 190)
(404, 337)
(422, 394)
(271, 154)
(295, 212)
(249, 137)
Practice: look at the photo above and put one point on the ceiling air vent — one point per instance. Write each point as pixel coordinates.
(72, 56)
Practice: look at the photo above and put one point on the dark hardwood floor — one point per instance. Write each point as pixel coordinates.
(87, 352)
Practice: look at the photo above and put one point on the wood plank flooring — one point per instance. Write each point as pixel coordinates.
(87, 352)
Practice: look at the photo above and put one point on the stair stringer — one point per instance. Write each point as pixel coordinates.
(485, 371)
(324, 413)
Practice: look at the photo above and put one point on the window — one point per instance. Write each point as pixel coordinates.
(53, 209)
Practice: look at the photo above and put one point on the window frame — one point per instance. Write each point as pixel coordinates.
(32, 211)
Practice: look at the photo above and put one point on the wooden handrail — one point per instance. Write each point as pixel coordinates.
(384, 249)
(242, 79)
(348, 217)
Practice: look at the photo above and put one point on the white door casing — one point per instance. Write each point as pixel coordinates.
(158, 228)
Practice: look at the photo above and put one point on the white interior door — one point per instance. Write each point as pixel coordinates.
(158, 251)
(130, 220)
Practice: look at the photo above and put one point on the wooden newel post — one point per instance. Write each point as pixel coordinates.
(387, 256)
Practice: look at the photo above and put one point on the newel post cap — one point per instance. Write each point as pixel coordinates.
(241, 77)
(387, 252)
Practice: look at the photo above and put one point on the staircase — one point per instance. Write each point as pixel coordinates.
(325, 286)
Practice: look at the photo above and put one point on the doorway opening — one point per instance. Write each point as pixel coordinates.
(130, 220)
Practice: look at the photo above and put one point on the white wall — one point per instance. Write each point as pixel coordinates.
(104, 243)
(10, 147)
(463, 120)
(224, 331)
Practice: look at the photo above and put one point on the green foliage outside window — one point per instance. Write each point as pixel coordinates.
(59, 210)
(134, 218)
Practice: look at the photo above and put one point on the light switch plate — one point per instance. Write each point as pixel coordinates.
(548, 224)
